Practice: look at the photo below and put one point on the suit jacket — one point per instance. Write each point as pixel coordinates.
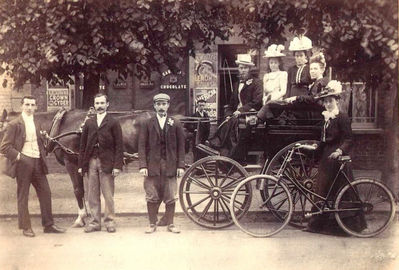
(150, 146)
(110, 140)
(251, 96)
(14, 140)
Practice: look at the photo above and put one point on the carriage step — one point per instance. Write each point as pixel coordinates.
(207, 150)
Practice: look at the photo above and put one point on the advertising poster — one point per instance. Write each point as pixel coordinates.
(57, 98)
(206, 82)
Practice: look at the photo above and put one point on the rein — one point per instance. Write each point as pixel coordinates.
(60, 145)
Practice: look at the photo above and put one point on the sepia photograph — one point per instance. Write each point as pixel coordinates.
(199, 134)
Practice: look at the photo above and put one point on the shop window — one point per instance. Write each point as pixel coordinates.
(228, 56)
(228, 70)
(363, 108)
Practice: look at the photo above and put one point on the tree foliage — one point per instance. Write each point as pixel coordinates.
(43, 38)
(359, 37)
(59, 38)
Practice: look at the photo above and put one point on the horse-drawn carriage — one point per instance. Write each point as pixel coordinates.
(217, 191)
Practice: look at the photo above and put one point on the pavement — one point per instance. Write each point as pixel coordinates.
(194, 248)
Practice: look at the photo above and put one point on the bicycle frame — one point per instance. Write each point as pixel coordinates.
(325, 207)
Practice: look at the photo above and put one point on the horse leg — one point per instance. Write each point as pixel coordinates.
(78, 189)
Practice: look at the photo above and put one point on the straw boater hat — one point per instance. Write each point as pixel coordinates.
(333, 88)
(244, 59)
(161, 97)
(274, 50)
(300, 43)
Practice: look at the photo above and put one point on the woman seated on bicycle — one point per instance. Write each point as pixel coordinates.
(336, 140)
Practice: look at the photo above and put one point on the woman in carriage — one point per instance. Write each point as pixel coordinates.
(304, 106)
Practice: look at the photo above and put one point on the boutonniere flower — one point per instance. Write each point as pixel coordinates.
(248, 82)
(171, 121)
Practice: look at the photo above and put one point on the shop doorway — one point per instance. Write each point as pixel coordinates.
(228, 71)
(91, 88)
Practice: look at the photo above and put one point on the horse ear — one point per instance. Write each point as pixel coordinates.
(4, 116)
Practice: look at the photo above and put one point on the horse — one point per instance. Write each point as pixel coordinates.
(63, 139)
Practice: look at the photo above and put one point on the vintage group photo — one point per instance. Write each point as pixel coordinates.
(192, 134)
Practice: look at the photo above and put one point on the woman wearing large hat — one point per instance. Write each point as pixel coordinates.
(298, 75)
(336, 140)
(275, 80)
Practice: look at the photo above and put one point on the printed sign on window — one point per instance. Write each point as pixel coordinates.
(58, 98)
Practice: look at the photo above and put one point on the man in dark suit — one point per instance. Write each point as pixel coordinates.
(200, 132)
(248, 92)
(247, 95)
(22, 144)
(161, 156)
(101, 155)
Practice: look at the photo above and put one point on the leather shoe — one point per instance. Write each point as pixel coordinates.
(28, 233)
(53, 229)
(162, 222)
(172, 228)
(151, 229)
(92, 228)
(111, 229)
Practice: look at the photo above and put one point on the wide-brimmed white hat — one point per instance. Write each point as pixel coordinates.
(274, 50)
(244, 59)
(333, 88)
(301, 43)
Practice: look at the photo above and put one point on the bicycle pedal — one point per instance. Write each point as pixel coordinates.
(308, 215)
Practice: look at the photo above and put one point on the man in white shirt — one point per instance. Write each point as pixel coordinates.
(23, 146)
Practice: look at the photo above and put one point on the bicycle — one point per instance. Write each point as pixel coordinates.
(272, 207)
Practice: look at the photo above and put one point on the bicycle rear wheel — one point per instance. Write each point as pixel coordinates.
(365, 208)
(266, 216)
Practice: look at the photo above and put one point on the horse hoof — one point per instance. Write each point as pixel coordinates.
(78, 224)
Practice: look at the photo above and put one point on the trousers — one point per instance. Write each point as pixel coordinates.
(160, 188)
(30, 171)
(100, 182)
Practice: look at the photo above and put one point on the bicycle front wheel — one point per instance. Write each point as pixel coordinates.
(266, 216)
(365, 208)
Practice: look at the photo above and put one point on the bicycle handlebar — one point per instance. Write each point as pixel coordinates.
(305, 146)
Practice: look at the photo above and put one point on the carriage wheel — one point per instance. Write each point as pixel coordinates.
(304, 169)
(206, 189)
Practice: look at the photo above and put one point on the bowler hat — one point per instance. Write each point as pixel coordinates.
(161, 97)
